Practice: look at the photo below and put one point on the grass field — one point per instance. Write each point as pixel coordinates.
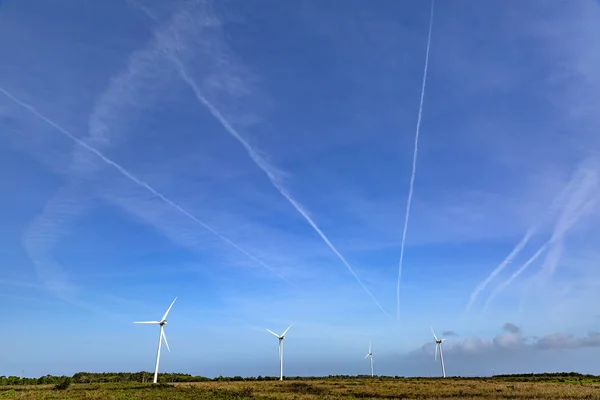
(385, 388)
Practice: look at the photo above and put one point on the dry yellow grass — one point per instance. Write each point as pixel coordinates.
(320, 389)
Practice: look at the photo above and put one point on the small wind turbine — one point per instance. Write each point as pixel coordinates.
(161, 337)
(280, 337)
(438, 345)
(370, 355)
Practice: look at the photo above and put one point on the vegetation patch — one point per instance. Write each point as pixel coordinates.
(332, 388)
(375, 395)
(8, 394)
(305, 388)
(63, 384)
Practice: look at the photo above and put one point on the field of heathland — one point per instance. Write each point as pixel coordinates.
(115, 386)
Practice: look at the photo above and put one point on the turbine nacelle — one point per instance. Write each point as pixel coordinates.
(438, 348)
(280, 337)
(370, 357)
(435, 337)
(370, 353)
(161, 338)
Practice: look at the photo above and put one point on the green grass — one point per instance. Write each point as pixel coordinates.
(378, 388)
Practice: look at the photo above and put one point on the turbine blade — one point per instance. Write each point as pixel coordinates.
(165, 339)
(369, 347)
(148, 322)
(367, 355)
(284, 332)
(168, 309)
(273, 333)
(433, 333)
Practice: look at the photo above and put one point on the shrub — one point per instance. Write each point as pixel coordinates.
(161, 385)
(305, 388)
(63, 384)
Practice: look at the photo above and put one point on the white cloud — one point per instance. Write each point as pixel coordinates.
(513, 340)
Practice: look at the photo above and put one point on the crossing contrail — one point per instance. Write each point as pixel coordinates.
(414, 162)
(269, 171)
(139, 182)
(273, 175)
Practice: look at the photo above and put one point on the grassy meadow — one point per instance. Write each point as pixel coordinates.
(326, 388)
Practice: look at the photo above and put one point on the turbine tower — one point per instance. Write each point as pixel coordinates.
(161, 337)
(280, 337)
(370, 355)
(438, 345)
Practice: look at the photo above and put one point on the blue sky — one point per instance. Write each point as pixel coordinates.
(159, 149)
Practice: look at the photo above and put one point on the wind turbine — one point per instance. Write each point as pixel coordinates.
(438, 345)
(370, 355)
(280, 337)
(161, 337)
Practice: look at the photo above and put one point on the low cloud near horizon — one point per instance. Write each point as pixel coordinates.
(512, 338)
(449, 333)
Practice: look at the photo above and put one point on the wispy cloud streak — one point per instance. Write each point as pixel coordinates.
(507, 261)
(270, 171)
(139, 182)
(557, 204)
(112, 108)
(581, 202)
(45, 231)
(514, 276)
(414, 162)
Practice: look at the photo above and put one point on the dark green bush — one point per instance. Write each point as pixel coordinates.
(63, 384)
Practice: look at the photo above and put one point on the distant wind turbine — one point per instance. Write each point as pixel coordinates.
(438, 345)
(161, 337)
(280, 337)
(370, 355)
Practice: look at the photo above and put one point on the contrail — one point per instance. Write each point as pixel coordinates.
(509, 259)
(258, 160)
(582, 203)
(555, 206)
(515, 275)
(137, 181)
(582, 199)
(68, 203)
(414, 163)
(267, 169)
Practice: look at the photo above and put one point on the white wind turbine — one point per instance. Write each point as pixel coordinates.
(161, 337)
(370, 355)
(280, 337)
(438, 345)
